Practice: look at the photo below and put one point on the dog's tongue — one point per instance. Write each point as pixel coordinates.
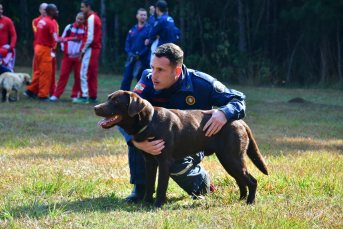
(104, 121)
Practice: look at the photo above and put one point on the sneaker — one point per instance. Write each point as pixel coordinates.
(93, 100)
(53, 98)
(81, 100)
(44, 99)
(29, 94)
(73, 99)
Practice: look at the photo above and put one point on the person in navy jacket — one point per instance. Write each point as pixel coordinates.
(171, 85)
(163, 27)
(137, 51)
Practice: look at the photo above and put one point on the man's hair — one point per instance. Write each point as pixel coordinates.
(162, 5)
(49, 8)
(171, 51)
(141, 9)
(88, 3)
(80, 13)
(41, 5)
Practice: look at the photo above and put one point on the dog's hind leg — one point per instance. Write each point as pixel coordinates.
(238, 170)
(17, 95)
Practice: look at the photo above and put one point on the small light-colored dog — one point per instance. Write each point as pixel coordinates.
(13, 81)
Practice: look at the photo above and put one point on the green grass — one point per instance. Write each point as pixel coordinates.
(58, 169)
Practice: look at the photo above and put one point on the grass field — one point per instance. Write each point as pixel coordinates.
(58, 169)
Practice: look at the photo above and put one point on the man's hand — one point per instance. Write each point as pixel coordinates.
(81, 56)
(137, 58)
(216, 122)
(153, 147)
(76, 39)
(152, 10)
(147, 41)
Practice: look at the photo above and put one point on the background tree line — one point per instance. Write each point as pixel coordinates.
(257, 42)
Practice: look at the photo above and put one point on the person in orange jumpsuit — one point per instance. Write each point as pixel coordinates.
(46, 38)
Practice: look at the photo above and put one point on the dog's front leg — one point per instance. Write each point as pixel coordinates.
(163, 179)
(8, 95)
(151, 170)
(17, 94)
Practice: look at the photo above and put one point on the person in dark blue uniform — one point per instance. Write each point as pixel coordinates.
(171, 85)
(4, 69)
(177, 34)
(162, 30)
(137, 51)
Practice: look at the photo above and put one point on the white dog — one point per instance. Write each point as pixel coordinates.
(13, 81)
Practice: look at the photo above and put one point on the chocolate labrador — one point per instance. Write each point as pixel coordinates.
(183, 135)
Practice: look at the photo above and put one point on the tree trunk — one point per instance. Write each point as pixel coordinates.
(323, 62)
(182, 23)
(116, 35)
(288, 78)
(339, 67)
(104, 31)
(242, 40)
(24, 19)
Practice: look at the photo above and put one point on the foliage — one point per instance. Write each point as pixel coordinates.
(296, 42)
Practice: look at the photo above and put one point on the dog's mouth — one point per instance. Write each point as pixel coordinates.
(110, 121)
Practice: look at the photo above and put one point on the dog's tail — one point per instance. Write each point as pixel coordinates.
(254, 153)
(2, 77)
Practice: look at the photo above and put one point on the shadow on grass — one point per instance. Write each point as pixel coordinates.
(39, 208)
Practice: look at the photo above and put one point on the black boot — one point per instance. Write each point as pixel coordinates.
(204, 188)
(137, 194)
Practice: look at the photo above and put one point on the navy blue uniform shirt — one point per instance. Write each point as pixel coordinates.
(135, 41)
(164, 27)
(193, 91)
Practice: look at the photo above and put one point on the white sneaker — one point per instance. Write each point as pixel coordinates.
(73, 99)
(53, 98)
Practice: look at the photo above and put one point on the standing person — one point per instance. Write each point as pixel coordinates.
(4, 69)
(35, 21)
(90, 51)
(171, 85)
(136, 50)
(70, 59)
(7, 30)
(162, 31)
(46, 38)
(7, 50)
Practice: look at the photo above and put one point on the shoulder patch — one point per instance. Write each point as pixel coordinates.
(218, 86)
(156, 23)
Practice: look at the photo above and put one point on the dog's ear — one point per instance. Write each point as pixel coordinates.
(137, 104)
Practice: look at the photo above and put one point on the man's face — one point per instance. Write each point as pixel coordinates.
(141, 16)
(163, 75)
(54, 13)
(1, 10)
(42, 10)
(80, 19)
(85, 9)
(158, 12)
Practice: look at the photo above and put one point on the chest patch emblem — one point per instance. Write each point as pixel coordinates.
(1, 26)
(190, 100)
(219, 87)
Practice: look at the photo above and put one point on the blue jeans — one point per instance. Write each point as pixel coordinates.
(187, 173)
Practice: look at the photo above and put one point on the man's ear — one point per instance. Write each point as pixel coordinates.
(136, 105)
(178, 70)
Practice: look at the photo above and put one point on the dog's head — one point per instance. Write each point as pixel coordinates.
(25, 78)
(123, 108)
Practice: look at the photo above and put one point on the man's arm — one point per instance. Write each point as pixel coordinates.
(128, 44)
(156, 29)
(231, 107)
(89, 34)
(13, 35)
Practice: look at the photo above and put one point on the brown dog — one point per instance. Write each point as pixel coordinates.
(183, 135)
(13, 81)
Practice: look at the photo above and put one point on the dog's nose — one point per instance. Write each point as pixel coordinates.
(96, 108)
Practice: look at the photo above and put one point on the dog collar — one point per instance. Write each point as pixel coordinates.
(148, 124)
